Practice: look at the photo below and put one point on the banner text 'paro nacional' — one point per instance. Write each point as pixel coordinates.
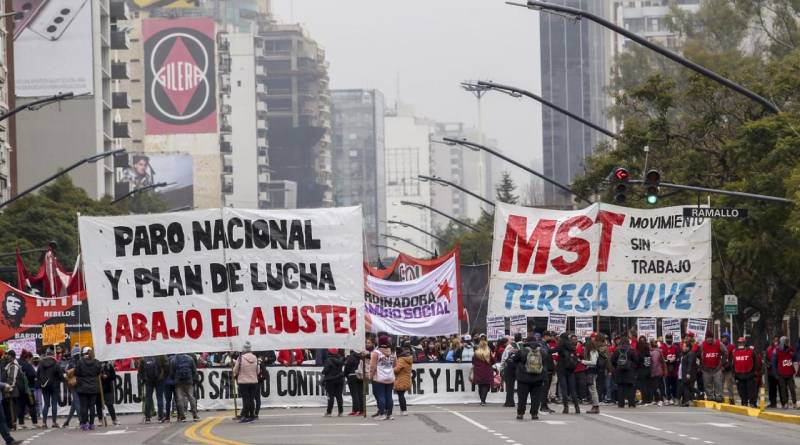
(209, 280)
(601, 260)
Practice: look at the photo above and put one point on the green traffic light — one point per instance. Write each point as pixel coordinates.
(652, 199)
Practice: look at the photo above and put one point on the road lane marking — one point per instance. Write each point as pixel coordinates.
(720, 425)
(286, 425)
(631, 422)
(467, 419)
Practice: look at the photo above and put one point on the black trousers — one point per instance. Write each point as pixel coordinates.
(534, 391)
(772, 382)
(568, 387)
(509, 378)
(600, 382)
(334, 390)
(483, 391)
(401, 400)
(747, 390)
(87, 409)
(626, 391)
(687, 391)
(248, 393)
(356, 387)
(257, 399)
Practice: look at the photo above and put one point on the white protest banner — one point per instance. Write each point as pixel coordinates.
(557, 323)
(209, 280)
(495, 327)
(647, 327)
(671, 326)
(602, 260)
(584, 326)
(421, 307)
(519, 325)
(18, 345)
(698, 327)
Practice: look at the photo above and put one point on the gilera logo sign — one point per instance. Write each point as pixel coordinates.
(180, 76)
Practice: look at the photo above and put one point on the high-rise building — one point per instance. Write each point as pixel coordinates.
(650, 19)
(298, 111)
(359, 160)
(467, 168)
(7, 100)
(82, 55)
(575, 63)
(408, 154)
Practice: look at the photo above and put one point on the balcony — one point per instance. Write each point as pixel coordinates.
(120, 101)
(261, 71)
(261, 89)
(119, 39)
(118, 10)
(261, 142)
(263, 178)
(261, 124)
(121, 130)
(119, 71)
(261, 107)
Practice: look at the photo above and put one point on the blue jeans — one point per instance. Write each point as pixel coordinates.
(383, 395)
(3, 427)
(75, 407)
(169, 392)
(50, 397)
(148, 406)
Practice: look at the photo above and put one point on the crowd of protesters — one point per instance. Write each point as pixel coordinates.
(534, 372)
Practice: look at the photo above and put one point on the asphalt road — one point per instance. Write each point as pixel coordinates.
(442, 425)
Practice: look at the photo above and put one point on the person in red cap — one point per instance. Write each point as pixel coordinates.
(333, 377)
(744, 368)
(712, 357)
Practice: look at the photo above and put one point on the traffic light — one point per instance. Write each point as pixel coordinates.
(619, 177)
(651, 182)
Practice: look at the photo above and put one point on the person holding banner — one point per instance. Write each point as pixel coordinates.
(644, 374)
(482, 373)
(402, 374)
(509, 369)
(108, 377)
(333, 377)
(381, 373)
(624, 362)
(671, 354)
(595, 358)
(4, 432)
(50, 377)
(87, 371)
(567, 363)
(246, 372)
(355, 381)
(531, 363)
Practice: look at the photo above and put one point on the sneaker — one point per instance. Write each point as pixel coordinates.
(378, 414)
(403, 413)
(519, 417)
(548, 411)
(340, 414)
(250, 420)
(147, 420)
(196, 418)
(390, 417)
(243, 420)
(353, 413)
(84, 427)
(91, 426)
(534, 417)
(327, 415)
(115, 422)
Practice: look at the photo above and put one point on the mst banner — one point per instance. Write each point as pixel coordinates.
(212, 279)
(431, 383)
(604, 260)
(422, 307)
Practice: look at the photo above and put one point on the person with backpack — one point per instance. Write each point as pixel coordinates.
(671, 354)
(712, 358)
(509, 369)
(595, 359)
(108, 377)
(183, 371)
(744, 368)
(355, 381)
(567, 363)
(14, 376)
(644, 377)
(266, 360)
(531, 364)
(67, 364)
(466, 352)
(88, 372)
(50, 377)
(687, 374)
(152, 374)
(246, 372)
(657, 365)
(27, 402)
(402, 376)
(170, 396)
(381, 372)
(333, 378)
(623, 361)
(783, 360)
(4, 430)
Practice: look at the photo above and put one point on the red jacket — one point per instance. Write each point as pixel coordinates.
(785, 362)
(579, 352)
(672, 356)
(744, 361)
(284, 357)
(711, 355)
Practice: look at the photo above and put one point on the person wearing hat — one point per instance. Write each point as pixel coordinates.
(467, 350)
(4, 432)
(402, 373)
(88, 372)
(783, 361)
(246, 372)
(744, 368)
(671, 353)
(13, 375)
(712, 358)
(727, 369)
(355, 380)
(532, 362)
(50, 377)
(381, 372)
(333, 378)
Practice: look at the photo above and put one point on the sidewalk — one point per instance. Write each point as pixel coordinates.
(784, 416)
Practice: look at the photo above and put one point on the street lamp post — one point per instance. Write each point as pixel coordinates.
(384, 246)
(408, 242)
(703, 71)
(411, 226)
(35, 105)
(140, 190)
(454, 185)
(90, 160)
(474, 146)
(423, 206)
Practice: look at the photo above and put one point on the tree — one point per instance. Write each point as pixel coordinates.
(505, 190)
(703, 134)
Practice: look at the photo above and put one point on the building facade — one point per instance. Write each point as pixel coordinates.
(650, 19)
(359, 160)
(7, 101)
(298, 111)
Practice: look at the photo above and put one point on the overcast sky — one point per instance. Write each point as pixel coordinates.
(431, 46)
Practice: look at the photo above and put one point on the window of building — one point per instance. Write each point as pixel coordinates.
(402, 168)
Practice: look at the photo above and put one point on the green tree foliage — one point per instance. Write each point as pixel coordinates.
(701, 133)
(505, 190)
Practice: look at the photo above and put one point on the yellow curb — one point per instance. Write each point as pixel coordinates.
(707, 404)
(778, 417)
(743, 410)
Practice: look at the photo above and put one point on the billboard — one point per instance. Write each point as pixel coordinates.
(165, 4)
(601, 260)
(52, 47)
(180, 76)
(134, 171)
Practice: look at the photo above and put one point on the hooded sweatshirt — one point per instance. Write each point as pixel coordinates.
(381, 365)
(49, 374)
(246, 369)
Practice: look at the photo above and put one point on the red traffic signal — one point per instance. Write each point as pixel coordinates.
(653, 177)
(621, 174)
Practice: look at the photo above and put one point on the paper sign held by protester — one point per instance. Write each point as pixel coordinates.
(584, 326)
(671, 326)
(53, 334)
(424, 306)
(22, 344)
(519, 325)
(210, 280)
(698, 327)
(495, 327)
(557, 323)
(647, 328)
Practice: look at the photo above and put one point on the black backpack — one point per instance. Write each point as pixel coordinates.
(623, 360)
(263, 372)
